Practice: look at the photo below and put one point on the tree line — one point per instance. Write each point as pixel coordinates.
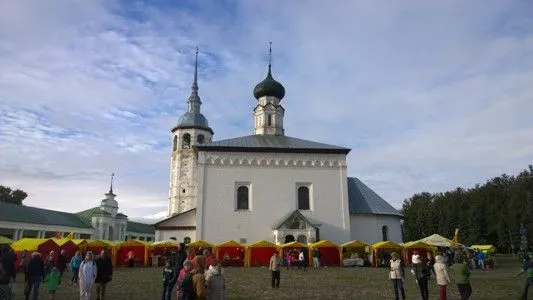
(491, 213)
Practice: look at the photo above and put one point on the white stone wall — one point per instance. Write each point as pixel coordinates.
(367, 228)
(273, 178)
(183, 181)
(162, 235)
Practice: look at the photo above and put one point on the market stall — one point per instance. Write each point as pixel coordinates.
(329, 253)
(96, 247)
(68, 246)
(422, 248)
(231, 254)
(259, 253)
(354, 253)
(133, 249)
(289, 251)
(201, 245)
(381, 252)
(43, 246)
(486, 249)
(159, 250)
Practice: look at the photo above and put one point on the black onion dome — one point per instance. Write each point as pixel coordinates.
(269, 87)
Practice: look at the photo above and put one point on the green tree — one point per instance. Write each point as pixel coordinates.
(8, 195)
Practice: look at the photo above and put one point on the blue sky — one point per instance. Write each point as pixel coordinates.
(430, 95)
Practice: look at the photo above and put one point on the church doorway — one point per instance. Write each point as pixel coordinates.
(289, 238)
(302, 239)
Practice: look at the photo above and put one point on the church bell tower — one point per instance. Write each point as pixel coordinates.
(268, 113)
(192, 129)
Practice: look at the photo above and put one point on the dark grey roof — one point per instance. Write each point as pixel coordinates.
(298, 214)
(34, 215)
(271, 143)
(193, 120)
(363, 200)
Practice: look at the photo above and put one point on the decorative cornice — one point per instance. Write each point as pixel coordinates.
(253, 162)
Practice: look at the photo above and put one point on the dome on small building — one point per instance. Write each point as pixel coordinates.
(269, 87)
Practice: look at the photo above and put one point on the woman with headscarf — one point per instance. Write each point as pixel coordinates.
(441, 274)
(87, 275)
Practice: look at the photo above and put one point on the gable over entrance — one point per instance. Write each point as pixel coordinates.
(295, 227)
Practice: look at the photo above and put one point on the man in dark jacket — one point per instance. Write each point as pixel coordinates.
(62, 262)
(104, 274)
(35, 275)
(422, 274)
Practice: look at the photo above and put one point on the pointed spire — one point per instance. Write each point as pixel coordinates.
(270, 60)
(111, 185)
(194, 99)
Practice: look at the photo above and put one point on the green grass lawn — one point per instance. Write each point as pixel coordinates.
(326, 283)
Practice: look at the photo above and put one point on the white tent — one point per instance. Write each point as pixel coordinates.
(437, 241)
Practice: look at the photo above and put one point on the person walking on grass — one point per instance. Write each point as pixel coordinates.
(528, 269)
(441, 274)
(53, 280)
(422, 274)
(396, 275)
(316, 258)
(168, 280)
(75, 263)
(184, 288)
(275, 269)
(87, 275)
(62, 262)
(461, 277)
(104, 274)
(198, 277)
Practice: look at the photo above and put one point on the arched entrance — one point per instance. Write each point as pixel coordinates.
(302, 239)
(289, 238)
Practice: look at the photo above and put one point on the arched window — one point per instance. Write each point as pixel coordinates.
(269, 123)
(289, 238)
(385, 233)
(175, 143)
(303, 198)
(186, 143)
(302, 239)
(242, 198)
(187, 240)
(200, 139)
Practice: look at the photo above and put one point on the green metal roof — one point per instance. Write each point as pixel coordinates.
(271, 143)
(28, 214)
(140, 227)
(88, 214)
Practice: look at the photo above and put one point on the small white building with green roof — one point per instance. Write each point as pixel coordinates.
(103, 222)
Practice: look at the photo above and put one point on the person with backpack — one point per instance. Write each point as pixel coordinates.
(87, 276)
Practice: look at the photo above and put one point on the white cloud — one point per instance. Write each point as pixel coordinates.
(430, 95)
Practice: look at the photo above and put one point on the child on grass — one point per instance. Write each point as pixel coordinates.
(53, 280)
(168, 280)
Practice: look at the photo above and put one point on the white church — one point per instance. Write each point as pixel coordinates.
(266, 186)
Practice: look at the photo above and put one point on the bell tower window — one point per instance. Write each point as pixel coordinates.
(175, 143)
(200, 139)
(186, 141)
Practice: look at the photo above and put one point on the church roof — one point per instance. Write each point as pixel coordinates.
(140, 227)
(34, 215)
(271, 143)
(363, 200)
(193, 120)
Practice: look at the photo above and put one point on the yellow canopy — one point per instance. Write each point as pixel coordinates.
(62, 241)
(201, 243)
(78, 242)
(168, 243)
(294, 244)
(101, 243)
(230, 243)
(354, 244)
(418, 244)
(4, 240)
(129, 243)
(262, 244)
(323, 244)
(27, 244)
(485, 248)
(386, 245)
